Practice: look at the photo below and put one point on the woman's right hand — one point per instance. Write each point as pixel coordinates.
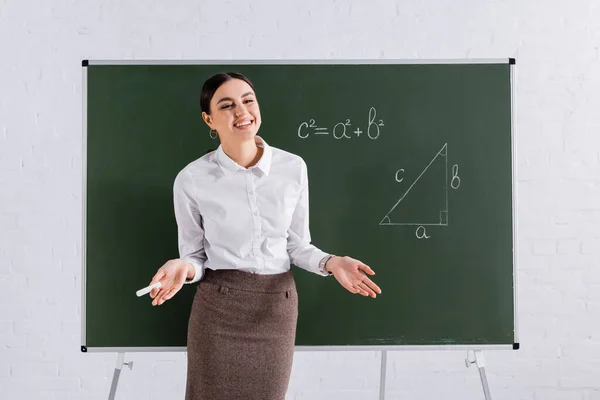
(171, 276)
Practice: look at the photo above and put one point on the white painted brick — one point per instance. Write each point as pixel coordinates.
(71, 326)
(71, 342)
(5, 268)
(592, 275)
(334, 395)
(13, 286)
(304, 377)
(30, 258)
(34, 370)
(347, 381)
(577, 217)
(593, 292)
(569, 281)
(527, 262)
(41, 308)
(4, 370)
(582, 349)
(549, 229)
(531, 167)
(6, 327)
(88, 395)
(164, 368)
(544, 247)
(83, 365)
(576, 261)
(592, 395)
(508, 393)
(164, 383)
(548, 301)
(129, 391)
(581, 373)
(533, 378)
(170, 394)
(37, 341)
(47, 325)
(525, 247)
(542, 348)
(574, 327)
(590, 246)
(62, 289)
(558, 394)
(518, 365)
(12, 341)
(13, 312)
(534, 327)
(22, 354)
(96, 383)
(42, 384)
(569, 246)
(65, 249)
(30, 393)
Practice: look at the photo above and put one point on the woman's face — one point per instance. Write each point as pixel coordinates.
(234, 111)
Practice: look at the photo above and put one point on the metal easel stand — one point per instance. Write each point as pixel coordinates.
(473, 357)
(117, 374)
(476, 357)
(383, 374)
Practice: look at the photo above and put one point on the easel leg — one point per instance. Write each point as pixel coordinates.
(383, 375)
(117, 374)
(484, 383)
(476, 357)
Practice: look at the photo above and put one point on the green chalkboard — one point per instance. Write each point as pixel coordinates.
(410, 168)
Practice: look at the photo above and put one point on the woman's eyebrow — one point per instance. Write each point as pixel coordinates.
(230, 99)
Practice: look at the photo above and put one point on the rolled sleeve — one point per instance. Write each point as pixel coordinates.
(190, 232)
(302, 253)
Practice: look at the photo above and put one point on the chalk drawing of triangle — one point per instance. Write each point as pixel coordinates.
(425, 202)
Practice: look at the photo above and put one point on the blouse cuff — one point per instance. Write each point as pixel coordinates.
(197, 267)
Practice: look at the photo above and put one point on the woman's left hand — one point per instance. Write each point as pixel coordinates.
(350, 273)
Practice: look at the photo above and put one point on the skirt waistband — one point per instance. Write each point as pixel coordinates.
(236, 279)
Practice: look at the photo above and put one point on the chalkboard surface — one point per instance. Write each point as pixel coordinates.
(410, 168)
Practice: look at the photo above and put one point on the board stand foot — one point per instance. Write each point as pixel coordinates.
(117, 374)
(476, 357)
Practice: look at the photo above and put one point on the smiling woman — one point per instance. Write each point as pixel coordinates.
(235, 115)
(238, 239)
(233, 111)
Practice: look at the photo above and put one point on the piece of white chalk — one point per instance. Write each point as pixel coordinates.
(147, 289)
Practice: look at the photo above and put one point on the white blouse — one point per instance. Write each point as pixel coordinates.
(250, 219)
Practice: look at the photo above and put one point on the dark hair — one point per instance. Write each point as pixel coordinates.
(214, 82)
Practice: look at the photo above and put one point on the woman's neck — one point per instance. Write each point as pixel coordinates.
(246, 153)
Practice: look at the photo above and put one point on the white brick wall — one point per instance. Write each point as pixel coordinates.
(557, 46)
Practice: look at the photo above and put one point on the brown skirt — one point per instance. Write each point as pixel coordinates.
(241, 336)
